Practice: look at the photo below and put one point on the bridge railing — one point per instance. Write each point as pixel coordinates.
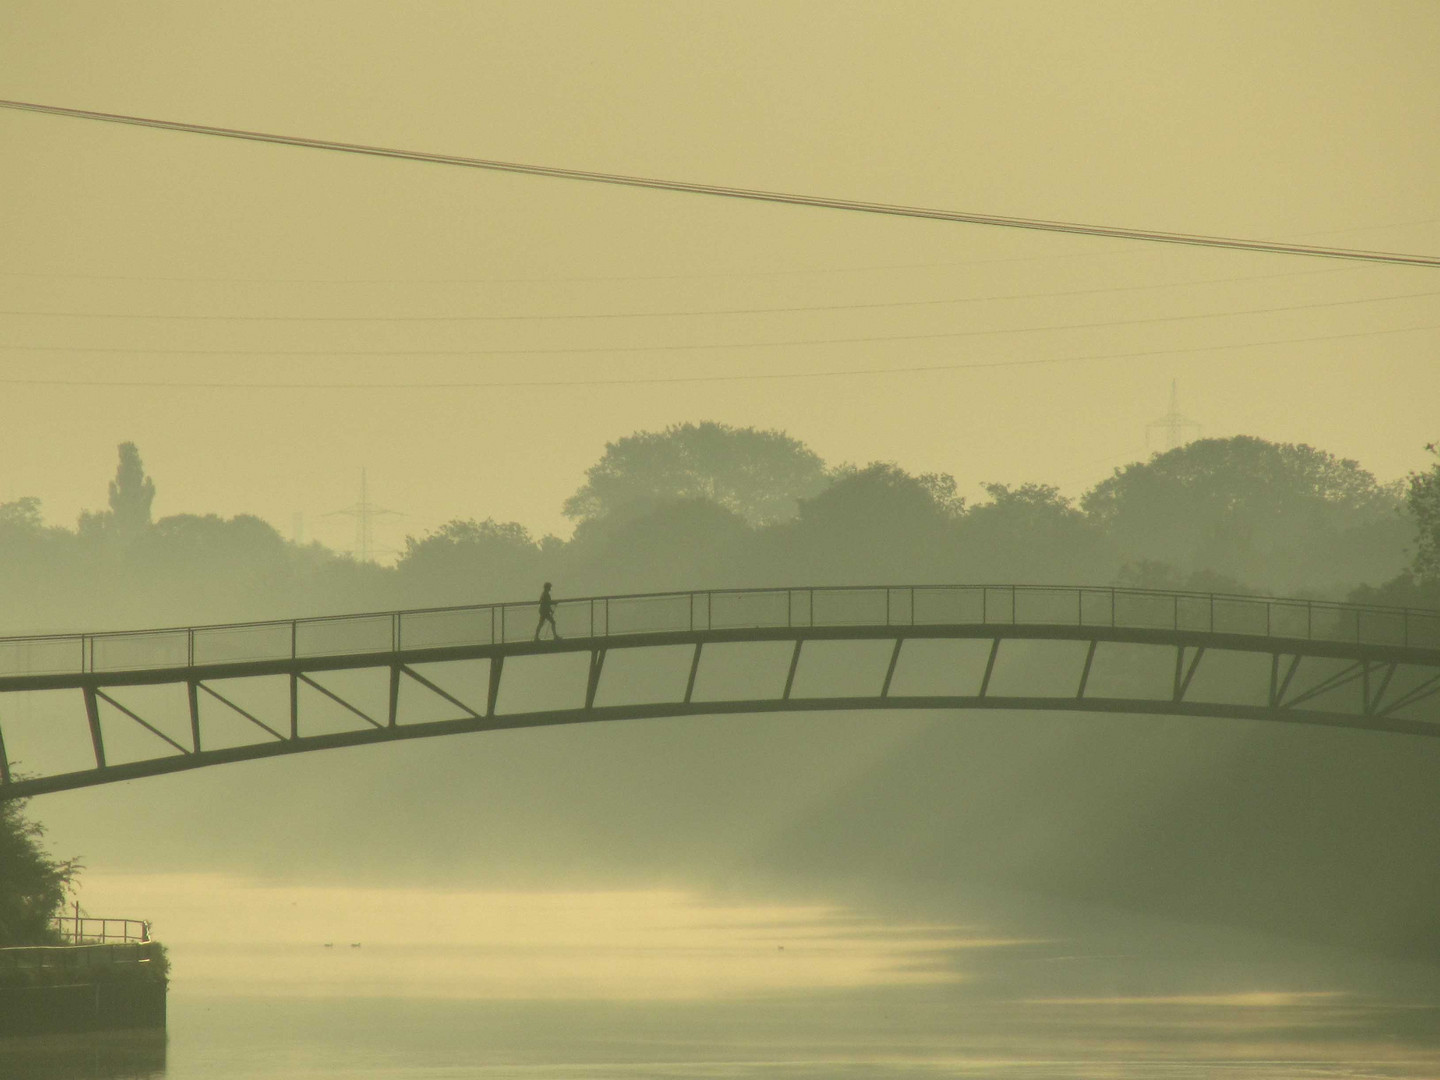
(715, 609)
(97, 930)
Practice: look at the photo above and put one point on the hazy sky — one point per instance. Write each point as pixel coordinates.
(1295, 120)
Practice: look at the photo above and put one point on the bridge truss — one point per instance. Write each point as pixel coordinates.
(85, 709)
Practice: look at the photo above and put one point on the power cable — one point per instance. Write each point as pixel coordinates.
(562, 280)
(557, 317)
(667, 379)
(587, 350)
(751, 194)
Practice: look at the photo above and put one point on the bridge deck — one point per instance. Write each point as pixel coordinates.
(140, 703)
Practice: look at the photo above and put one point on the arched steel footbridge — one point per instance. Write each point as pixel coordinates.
(84, 709)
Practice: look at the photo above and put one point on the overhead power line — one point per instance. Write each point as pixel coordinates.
(752, 194)
(706, 346)
(564, 278)
(568, 316)
(164, 384)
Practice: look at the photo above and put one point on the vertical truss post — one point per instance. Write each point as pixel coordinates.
(1179, 665)
(92, 713)
(694, 668)
(1085, 671)
(890, 671)
(989, 667)
(1285, 682)
(1182, 685)
(794, 663)
(592, 684)
(394, 693)
(294, 705)
(497, 663)
(1373, 705)
(193, 697)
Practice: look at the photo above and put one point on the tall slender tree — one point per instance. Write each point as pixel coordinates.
(131, 492)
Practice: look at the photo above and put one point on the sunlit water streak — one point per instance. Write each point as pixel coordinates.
(472, 985)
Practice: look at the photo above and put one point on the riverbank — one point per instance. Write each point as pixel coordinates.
(63, 989)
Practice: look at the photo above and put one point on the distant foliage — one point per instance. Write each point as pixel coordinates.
(466, 561)
(712, 506)
(1031, 534)
(759, 475)
(131, 495)
(21, 518)
(679, 544)
(1282, 516)
(1150, 574)
(32, 884)
(1422, 496)
(873, 523)
(131, 492)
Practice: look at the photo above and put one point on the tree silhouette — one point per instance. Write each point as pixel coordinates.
(1423, 498)
(131, 492)
(32, 884)
(760, 475)
(1280, 516)
(1030, 533)
(468, 560)
(872, 523)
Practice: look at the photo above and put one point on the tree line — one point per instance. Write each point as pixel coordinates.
(708, 505)
(712, 506)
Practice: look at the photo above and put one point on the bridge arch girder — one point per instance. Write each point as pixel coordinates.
(1356, 685)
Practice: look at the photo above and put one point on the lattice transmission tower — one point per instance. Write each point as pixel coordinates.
(1174, 424)
(364, 512)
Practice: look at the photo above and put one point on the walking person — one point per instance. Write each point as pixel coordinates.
(547, 614)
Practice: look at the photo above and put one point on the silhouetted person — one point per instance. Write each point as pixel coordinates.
(547, 614)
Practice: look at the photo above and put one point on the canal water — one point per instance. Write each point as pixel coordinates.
(312, 982)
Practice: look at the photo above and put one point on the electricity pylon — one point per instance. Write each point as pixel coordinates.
(1174, 423)
(364, 512)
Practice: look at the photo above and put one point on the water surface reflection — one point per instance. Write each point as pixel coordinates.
(281, 982)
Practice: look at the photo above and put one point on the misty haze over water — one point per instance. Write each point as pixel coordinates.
(625, 390)
(913, 893)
